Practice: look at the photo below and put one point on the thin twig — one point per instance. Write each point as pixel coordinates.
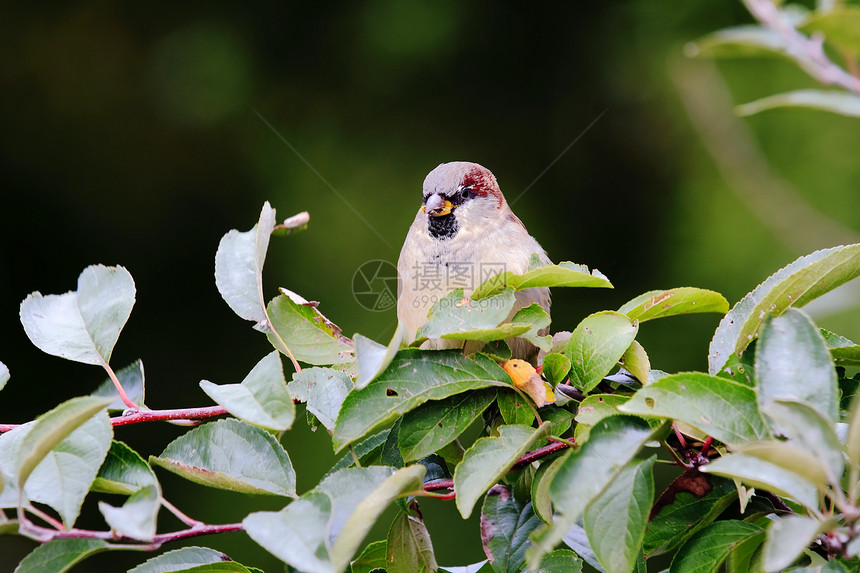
(162, 415)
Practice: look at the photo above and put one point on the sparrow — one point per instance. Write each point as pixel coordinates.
(463, 233)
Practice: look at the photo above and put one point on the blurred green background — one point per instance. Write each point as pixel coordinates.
(138, 135)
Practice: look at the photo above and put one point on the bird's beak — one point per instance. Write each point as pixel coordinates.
(436, 206)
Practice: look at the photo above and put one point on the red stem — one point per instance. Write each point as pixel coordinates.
(161, 415)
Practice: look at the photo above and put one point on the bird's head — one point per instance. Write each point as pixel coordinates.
(460, 194)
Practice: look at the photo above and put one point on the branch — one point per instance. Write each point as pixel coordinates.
(44, 534)
(807, 52)
(162, 415)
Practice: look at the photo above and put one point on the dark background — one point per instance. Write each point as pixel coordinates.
(137, 135)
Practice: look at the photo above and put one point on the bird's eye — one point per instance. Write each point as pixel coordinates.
(466, 192)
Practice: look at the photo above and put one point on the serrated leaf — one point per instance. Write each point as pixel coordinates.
(297, 534)
(60, 555)
(690, 502)
(47, 433)
(739, 41)
(843, 351)
(796, 284)
(239, 267)
(373, 358)
(787, 538)
(615, 521)
(514, 408)
(81, 325)
(842, 103)
(556, 367)
(368, 452)
(636, 361)
(412, 378)
(505, 528)
(754, 470)
(137, 517)
(300, 331)
(455, 313)
(180, 560)
(716, 406)
(792, 363)
(63, 477)
(406, 480)
(560, 561)
(489, 459)
(594, 408)
(324, 390)
(372, 557)
(596, 345)
(683, 300)
(705, 552)
(537, 319)
(409, 549)
(565, 274)
(435, 424)
(585, 473)
(806, 428)
(133, 384)
(261, 399)
(123, 471)
(207, 455)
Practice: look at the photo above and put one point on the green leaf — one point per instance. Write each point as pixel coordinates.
(635, 360)
(840, 27)
(755, 470)
(63, 478)
(373, 557)
(4, 375)
(565, 274)
(300, 331)
(261, 399)
(690, 502)
(455, 313)
(716, 406)
(556, 367)
(806, 428)
(132, 380)
(297, 534)
(560, 561)
(368, 452)
(324, 390)
(592, 409)
(505, 528)
(739, 41)
(843, 351)
(797, 284)
(435, 424)
(123, 471)
(179, 560)
(596, 345)
(792, 363)
(704, 552)
(137, 517)
(223, 567)
(404, 481)
(615, 521)
(46, 435)
(81, 325)
(207, 455)
(489, 459)
(842, 103)
(60, 555)
(585, 473)
(540, 496)
(514, 408)
(412, 378)
(672, 302)
(409, 549)
(852, 442)
(787, 538)
(537, 319)
(239, 267)
(576, 539)
(373, 358)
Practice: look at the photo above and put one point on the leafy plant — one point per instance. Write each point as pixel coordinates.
(804, 37)
(766, 445)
